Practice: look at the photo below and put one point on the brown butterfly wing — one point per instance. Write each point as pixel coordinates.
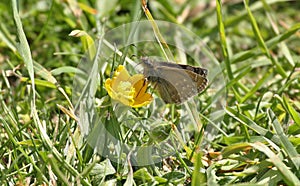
(176, 84)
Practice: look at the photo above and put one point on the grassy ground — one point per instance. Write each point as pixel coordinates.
(257, 141)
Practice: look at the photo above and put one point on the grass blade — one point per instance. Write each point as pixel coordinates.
(288, 176)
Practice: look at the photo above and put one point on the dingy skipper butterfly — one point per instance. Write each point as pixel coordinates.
(175, 83)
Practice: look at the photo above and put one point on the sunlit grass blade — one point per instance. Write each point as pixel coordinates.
(282, 46)
(235, 148)
(252, 125)
(198, 177)
(25, 52)
(286, 144)
(244, 55)
(45, 74)
(287, 174)
(261, 41)
(259, 84)
(24, 49)
(163, 44)
(290, 109)
(222, 35)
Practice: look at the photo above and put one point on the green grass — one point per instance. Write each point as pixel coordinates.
(256, 141)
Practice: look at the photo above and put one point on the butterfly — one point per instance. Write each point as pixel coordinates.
(175, 83)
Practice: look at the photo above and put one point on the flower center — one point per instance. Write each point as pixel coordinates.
(124, 86)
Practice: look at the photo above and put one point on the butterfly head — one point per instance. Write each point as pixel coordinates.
(149, 68)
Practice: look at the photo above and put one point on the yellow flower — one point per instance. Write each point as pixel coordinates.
(129, 90)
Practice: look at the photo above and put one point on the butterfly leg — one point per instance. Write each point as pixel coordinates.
(140, 91)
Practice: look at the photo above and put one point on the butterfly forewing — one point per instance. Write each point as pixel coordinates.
(175, 83)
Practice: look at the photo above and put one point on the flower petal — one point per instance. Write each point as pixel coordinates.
(129, 90)
(121, 74)
(143, 100)
(108, 87)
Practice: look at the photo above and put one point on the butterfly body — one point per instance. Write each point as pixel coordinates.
(175, 83)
